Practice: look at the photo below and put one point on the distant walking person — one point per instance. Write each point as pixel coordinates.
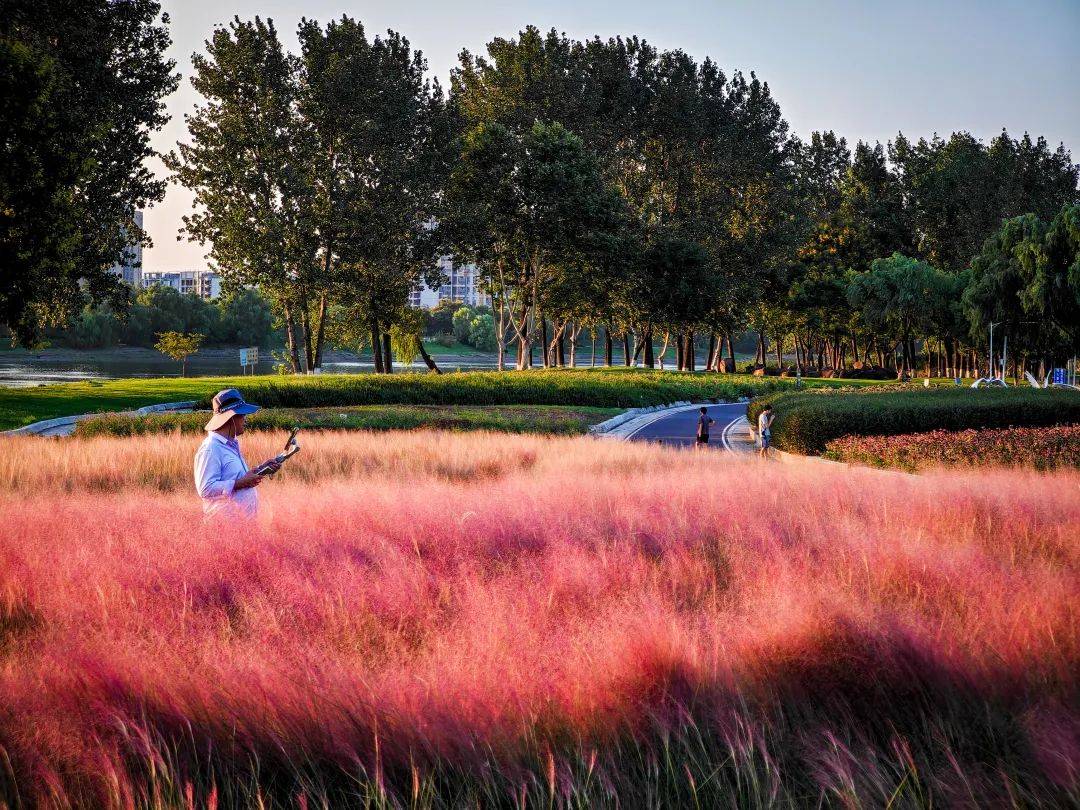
(222, 478)
(703, 422)
(764, 422)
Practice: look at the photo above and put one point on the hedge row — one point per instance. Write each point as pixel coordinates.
(805, 422)
(512, 419)
(614, 388)
(1043, 448)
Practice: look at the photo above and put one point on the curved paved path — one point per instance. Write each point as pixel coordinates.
(731, 432)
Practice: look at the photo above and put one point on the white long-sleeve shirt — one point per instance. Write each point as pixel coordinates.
(218, 464)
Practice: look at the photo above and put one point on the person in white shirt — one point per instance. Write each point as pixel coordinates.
(222, 478)
(764, 422)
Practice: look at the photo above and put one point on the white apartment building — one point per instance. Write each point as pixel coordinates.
(203, 283)
(460, 283)
(130, 269)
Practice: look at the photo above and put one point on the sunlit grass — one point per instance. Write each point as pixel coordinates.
(430, 619)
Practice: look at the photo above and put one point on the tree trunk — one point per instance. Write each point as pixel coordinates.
(609, 348)
(376, 347)
(544, 342)
(664, 348)
(290, 340)
(712, 352)
(779, 348)
(428, 359)
(626, 347)
(688, 353)
(560, 351)
(731, 349)
(500, 332)
(309, 338)
(320, 332)
(680, 348)
(388, 355)
(650, 359)
(759, 358)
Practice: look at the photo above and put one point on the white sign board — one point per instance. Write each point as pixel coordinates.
(249, 356)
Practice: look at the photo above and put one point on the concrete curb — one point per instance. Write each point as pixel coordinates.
(631, 421)
(51, 425)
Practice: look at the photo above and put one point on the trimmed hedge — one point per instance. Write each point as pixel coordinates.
(614, 388)
(806, 421)
(1044, 448)
(510, 419)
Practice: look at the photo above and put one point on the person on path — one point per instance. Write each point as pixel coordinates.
(222, 477)
(703, 423)
(764, 422)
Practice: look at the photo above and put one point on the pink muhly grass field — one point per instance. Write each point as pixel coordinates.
(430, 619)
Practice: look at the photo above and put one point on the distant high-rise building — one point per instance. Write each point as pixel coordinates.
(203, 283)
(459, 284)
(130, 268)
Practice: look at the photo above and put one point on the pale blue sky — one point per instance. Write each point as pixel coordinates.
(864, 69)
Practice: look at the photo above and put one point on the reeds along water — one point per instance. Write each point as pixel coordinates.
(427, 616)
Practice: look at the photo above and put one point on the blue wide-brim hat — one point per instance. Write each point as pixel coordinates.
(226, 405)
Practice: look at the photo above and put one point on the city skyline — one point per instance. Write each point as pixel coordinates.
(864, 70)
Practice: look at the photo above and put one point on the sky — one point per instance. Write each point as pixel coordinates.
(866, 70)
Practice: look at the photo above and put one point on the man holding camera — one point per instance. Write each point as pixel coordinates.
(222, 477)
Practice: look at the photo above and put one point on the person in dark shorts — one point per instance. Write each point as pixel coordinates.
(764, 421)
(703, 422)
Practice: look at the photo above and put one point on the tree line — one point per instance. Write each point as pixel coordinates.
(609, 187)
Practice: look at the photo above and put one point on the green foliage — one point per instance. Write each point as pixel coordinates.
(440, 318)
(179, 346)
(556, 420)
(83, 86)
(805, 422)
(461, 323)
(406, 334)
(605, 389)
(1026, 279)
(482, 332)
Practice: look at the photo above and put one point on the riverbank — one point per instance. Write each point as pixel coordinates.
(23, 368)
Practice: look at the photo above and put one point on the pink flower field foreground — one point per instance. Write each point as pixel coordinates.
(436, 620)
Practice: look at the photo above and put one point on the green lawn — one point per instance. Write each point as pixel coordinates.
(545, 419)
(606, 388)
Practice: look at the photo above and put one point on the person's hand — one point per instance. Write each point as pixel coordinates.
(271, 466)
(247, 480)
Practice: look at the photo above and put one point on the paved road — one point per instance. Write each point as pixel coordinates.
(730, 432)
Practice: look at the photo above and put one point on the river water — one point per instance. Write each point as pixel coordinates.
(20, 368)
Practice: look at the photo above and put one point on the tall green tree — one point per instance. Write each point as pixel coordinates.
(529, 208)
(897, 296)
(378, 153)
(83, 86)
(960, 190)
(248, 163)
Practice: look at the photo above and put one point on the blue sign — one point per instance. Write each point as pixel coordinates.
(1059, 376)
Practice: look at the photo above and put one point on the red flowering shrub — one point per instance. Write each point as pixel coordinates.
(1039, 447)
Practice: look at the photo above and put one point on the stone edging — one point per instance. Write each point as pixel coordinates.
(63, 421)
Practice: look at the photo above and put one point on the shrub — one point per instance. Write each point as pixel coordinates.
(462, 321)
(508, 419)
(608, 388)
(1042, 447)
(807, 421)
